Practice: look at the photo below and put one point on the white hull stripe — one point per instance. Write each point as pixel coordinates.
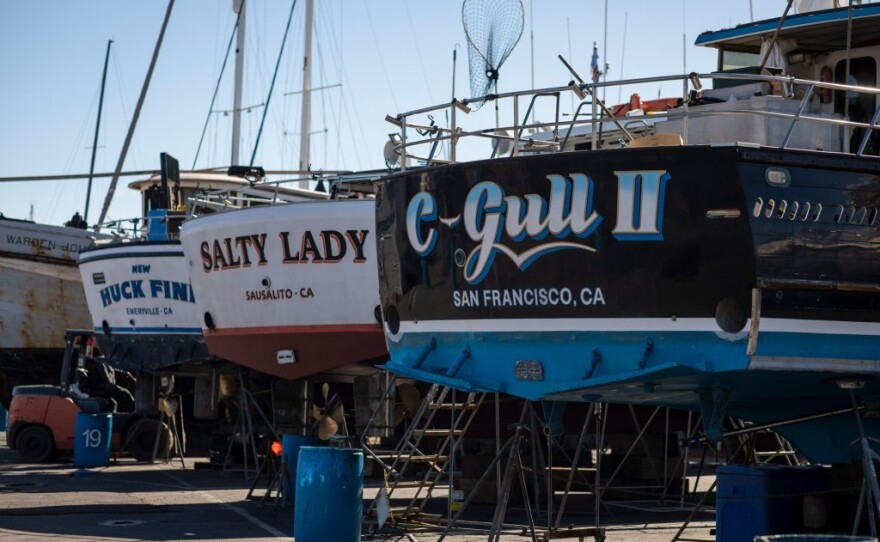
(522, 325)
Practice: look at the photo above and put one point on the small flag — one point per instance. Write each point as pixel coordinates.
(594, 64)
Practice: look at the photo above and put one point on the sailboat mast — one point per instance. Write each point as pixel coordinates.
(134, 119)
(305, 126)
(97, 128)
(238, 6)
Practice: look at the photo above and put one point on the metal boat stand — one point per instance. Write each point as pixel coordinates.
(745, 434)
(514, 469)
(171, 406)
(246, 406)
(869, 496)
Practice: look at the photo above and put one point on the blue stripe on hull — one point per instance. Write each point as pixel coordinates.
(675, 369)
(153, 330)
(567, 357)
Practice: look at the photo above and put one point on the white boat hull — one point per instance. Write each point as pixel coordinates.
(290, 290)
(142, 305)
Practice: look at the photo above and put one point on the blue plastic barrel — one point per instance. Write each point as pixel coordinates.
(765, 500)
(91, 445)
(813, 538)
(4, 418)
(329, 495)
(290, 446)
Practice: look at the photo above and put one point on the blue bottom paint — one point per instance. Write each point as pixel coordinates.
(668, 369)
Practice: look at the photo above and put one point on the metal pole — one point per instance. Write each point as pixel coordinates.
(497, 445)
(134, 119)
(97, 128)
(306, 119)
(239, 76)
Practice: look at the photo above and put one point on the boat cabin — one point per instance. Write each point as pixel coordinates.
(165, 206)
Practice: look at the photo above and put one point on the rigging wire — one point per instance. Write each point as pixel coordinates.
(217, 88)
(272, 84)
(137, 157)
(337, 113)
(381, 58)
(418, 50)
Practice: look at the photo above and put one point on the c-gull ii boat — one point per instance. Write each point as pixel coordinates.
(722, 256)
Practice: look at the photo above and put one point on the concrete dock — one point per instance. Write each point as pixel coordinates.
(130, 501)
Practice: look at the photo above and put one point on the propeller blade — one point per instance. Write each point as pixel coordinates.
(409, 397)
(337, 413)
(325, 389)
(317, 412)
(399, 415)
(327, 428)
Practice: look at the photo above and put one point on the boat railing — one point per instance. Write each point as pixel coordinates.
(421, 142)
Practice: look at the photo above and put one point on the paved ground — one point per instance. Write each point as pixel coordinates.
(128, 501)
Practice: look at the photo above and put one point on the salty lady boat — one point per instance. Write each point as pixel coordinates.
(721, 256)
(290, 290)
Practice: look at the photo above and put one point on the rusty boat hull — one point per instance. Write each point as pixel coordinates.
(41, 295)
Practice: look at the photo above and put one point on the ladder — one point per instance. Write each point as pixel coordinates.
(422, 443)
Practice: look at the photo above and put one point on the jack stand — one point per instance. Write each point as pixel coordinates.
(278, 475)
(512, 461)
(246, 426)
(702, 501)
(870, 494)
(177, 448)
(502, 503)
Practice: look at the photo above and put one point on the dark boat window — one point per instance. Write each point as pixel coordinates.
(838, 214)
(818, 212)
(806, 214)
(783, 205)
(872, 219)
(863, 216)
(756, 211)
(794, 210)
(771, 204)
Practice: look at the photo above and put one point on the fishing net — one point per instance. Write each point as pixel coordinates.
(493, 28)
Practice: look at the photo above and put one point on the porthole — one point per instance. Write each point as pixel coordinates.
(793, 212)
(849, 214)
(759, 204)
(872, 217)
(771, 206)
(817, 213)
(838, 213)
(806, 213)
(780, 211)
(863, 216)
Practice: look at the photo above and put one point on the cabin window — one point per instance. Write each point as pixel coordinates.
(818, 212)
(771, 205)
(733, 60)
(872, 218)
(783, 205)
(792, 214)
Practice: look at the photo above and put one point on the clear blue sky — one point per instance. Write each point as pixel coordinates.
(389, 55)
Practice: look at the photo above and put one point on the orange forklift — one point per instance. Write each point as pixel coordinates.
(42, 417)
